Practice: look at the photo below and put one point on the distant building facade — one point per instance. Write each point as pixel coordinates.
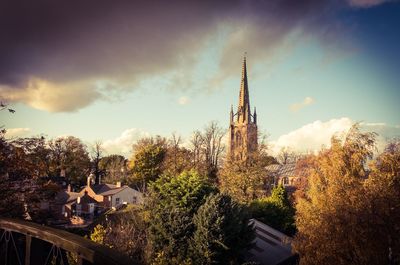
(94, 199)
(243, 124)
(288, 175)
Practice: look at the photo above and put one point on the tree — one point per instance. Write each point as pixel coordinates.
(11, 203)
(382, 206)
(23, 164)
(69, 155)
(196, 143)
(177, 158)
(124, 231)
(286, 156)
(350, 211)
(147, 161)
(114, 168)
(96, 154)
(172, 203)
(222, 231)
(275, 211)
(207, 149)
(243, 181)
(213, 147)
(302, 170)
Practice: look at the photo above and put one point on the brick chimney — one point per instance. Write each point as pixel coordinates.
(118, 184)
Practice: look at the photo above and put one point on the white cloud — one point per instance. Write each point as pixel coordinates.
(298, 106)
(366, 3)
(183, 100)
(17, 132)
(53, 97)
(385, 133)
(123, 144)
(311, 137)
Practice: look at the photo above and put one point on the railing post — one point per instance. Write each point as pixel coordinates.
(28, 241)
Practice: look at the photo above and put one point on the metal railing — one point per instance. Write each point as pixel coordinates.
(28, 243)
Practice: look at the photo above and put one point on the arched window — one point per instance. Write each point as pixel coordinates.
(285, 181)
(238, 139)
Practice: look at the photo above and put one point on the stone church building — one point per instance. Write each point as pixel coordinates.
(243, 124)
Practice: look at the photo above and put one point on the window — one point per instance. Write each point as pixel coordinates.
(116, 201)
(134, 199)
(285, 181)
(238, 139)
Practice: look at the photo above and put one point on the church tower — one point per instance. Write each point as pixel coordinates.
(243, 124)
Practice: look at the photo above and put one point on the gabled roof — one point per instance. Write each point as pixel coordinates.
(107, 189)
(285, 170)
(63, 197)
(87, 199)
(271, 246)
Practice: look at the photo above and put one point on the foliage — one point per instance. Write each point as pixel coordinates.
(222, 231)
(69, 156)
(207, 149)
(98, 235)
(243, 181)
(172, 203)
(177, 158)
(302, 171)
(147, 161)
(350, 213)
(126, 232)
(96, 153)
(275, 211)
(113, 168)
(22, 164)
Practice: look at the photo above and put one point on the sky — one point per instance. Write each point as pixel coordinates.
(116, 71)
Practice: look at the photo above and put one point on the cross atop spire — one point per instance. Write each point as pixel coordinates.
(244, 101)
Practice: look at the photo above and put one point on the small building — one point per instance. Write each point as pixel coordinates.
(287, 175)
(63, 203)
(270, 247)
(93, 199)
(110, 195)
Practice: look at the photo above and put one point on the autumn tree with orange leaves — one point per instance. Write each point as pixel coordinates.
(351, 209)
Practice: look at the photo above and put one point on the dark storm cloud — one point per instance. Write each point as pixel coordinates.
(48, 45)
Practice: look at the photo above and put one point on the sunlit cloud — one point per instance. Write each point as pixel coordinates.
(17, 132)
(53, 97)
(313, 136)
(123, 144)
(298, 106)
(183, 100)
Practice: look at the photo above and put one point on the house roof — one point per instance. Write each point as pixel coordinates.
(285, 170)
(271, 246)
(87, 199)
(64, 196)
(107, 189)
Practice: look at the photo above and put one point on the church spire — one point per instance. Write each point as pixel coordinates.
(244, 102)
(243, 131)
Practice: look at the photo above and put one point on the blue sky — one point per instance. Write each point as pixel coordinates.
(345, 70)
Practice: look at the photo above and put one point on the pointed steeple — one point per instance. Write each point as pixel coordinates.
(244, 102)
(231, 115)
(255, 116)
